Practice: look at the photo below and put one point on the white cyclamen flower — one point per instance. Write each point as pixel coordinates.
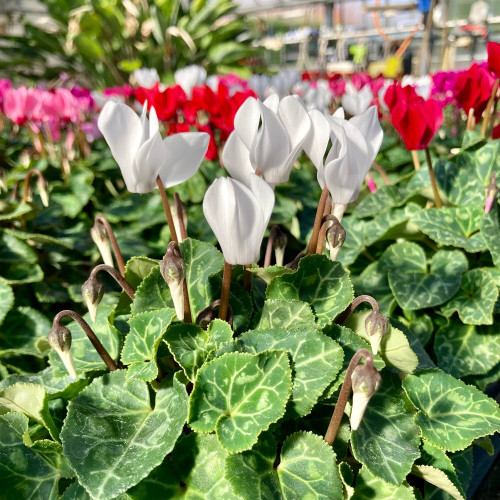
(421, 84)
(356, 102)
(355, 143)
(142, 155)
(267, 137)
(146, 77)
(190, 77)
(239, 215)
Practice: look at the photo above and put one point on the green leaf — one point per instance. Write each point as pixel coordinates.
(6, 300)
(194, 470)
(316, 361)
(285, 314)
(435, 467)
(371, 487)
(387, 440)
(354, 243)
(18, 261)
(485, 160)
(239, 395)
(490, 230)
(394, 347)
(451, 414)
(475, 299)
(31, 400)
(190, 345)
(72, 197)
(383, 199)
(10, 210)
(112, 435)
(229, 52)
(466, 349)
(307, 469)
(141, 343)
(21, 330)
(85, 357)
(413, 284)
(471, 138)
(137, 268)
(271, 272)
(152, 294)
(202, 261)
(454, 226)
(27, 473)
(323, 284)
(41, 239)
(375, 282)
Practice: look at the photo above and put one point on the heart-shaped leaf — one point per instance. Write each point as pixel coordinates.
(490, 230)
(454, 226)
(387, 440)
(18, 261)
(307, 469)
(451, 414)
(413, 284)
(466, 349)
(6, 300)
(323, 284)
(475, 299)
(316, 361)
(113, 437)
(285, 314)
(371, 487)
(239, 395)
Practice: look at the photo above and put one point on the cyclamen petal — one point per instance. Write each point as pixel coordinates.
(239, 216)
(236, 159)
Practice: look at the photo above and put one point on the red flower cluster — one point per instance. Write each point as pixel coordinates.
(473, 89)
(208, 110)
(494, 57)
(416, 119)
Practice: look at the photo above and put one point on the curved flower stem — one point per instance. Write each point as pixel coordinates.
(354, 304)
(489, 107)
(493, 109)
(313, 242)
(168, 212)
(437, 199)
(101, 350)
(471, 120)
(382, 173)
(333, 427)
(324, 226)
(226, 285)
(270, 243)
(180, 217)
(117, 277)
(100, 219)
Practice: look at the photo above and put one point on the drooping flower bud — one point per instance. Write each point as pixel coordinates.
(370, 182)
(173, 270)
(335, 236)
(376, 327)
(366, 380)
(92, 292)
(59, 339)
(43, 189)
(491, 193)
(101, 239)
(279, 243)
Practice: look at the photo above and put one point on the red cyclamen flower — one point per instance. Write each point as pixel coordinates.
(494, 57)
(416, 119)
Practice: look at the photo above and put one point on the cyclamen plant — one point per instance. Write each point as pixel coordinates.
(250, 407)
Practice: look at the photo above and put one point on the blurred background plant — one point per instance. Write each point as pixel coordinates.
(103, 41)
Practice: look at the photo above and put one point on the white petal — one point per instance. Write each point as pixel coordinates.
(236, 159)
(246, 121)
(295, 118)
(148, 162)
(264, 195)
(184, 153)
(154, 125)
(365, 98)
(272, 102)
(317, 140)
(350, 103)
(145, 123)
(271, 148)
(339, 113)
(369, 126)
(122, 129)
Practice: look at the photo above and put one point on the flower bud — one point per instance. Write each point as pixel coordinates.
(376, 327)
(335, 236)
(370, 182)
(279, 243)
(101, 239)
(173, 270)
(92, 292)
(43, 189)
(366, 381)
(491, 193)
(3, 180)
(59, 339)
